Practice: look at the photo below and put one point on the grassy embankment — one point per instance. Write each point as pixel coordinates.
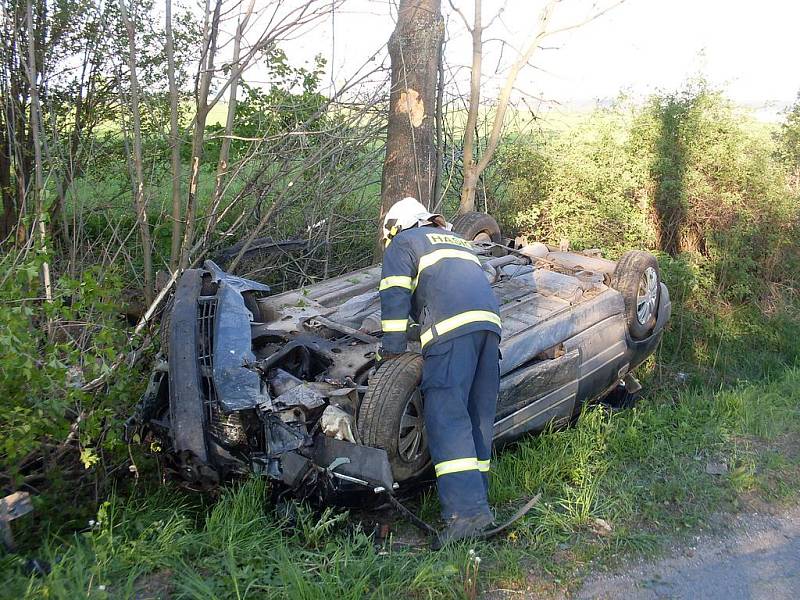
(642, 471)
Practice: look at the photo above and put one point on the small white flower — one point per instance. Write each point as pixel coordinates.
(102, 588)
(92, 523)
(471, 553)
(477, 560)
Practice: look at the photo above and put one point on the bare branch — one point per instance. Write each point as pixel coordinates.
(222, 163)
(461, 14)
(174, 138)
(586, 21)
(472, 173)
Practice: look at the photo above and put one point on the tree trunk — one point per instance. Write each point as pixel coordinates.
(436, 201)
(467, 202)
(139, 200)
(17, 147)
(36, 129)
(8, 221)
(174, 140)
(202, 87)
(409, 168)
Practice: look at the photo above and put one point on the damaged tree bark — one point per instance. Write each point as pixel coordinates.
(409, 168)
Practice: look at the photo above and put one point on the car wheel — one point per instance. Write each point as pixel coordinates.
(638, 279)
(390, 416)
(477, 227)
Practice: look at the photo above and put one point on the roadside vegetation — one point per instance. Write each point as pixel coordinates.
(612, 485)
(715, 194)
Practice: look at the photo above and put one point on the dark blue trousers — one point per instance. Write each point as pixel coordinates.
(460, 381)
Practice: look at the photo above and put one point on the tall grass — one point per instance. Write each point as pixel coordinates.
(642, 471)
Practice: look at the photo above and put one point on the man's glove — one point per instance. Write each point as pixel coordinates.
(381, 357)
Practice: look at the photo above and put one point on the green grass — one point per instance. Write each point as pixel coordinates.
(642, 471)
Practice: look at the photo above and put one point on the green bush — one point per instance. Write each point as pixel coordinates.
(585, 184)
(54, 436)
(788, 138)
(715, 189)
(688, 172)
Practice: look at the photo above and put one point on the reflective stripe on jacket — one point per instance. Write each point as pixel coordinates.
(433, 277)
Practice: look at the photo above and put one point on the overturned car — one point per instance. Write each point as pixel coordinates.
(285, 385)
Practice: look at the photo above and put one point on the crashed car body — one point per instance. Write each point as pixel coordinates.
(285, 385)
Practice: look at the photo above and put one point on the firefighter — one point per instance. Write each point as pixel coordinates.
(433, 277)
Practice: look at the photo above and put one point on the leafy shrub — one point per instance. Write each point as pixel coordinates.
(716, 190)
(788, 137)
(686, 173)
(581, 184)
(53, 434)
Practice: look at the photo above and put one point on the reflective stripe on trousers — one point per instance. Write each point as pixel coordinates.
(461, 464)
(394, 325)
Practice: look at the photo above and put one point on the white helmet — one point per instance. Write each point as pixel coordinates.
(405, 214)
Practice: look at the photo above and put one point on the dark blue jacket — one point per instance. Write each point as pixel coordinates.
(434, 277)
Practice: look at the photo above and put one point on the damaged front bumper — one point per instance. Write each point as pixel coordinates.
(236, 397)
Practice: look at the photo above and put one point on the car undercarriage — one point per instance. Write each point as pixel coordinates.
(285, 385)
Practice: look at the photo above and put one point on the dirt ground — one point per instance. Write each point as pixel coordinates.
(758, 558)
(754, 555)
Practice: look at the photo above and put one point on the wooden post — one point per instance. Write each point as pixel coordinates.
(12, 507)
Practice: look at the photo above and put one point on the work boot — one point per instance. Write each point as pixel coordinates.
(460, 528)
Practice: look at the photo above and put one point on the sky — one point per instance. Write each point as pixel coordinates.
(750, 49)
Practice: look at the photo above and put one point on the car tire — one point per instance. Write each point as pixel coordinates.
(638, 279)
(390, 416)
(478, 227)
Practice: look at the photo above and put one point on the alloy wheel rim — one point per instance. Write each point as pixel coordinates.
(647, 296)
(411, 442)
